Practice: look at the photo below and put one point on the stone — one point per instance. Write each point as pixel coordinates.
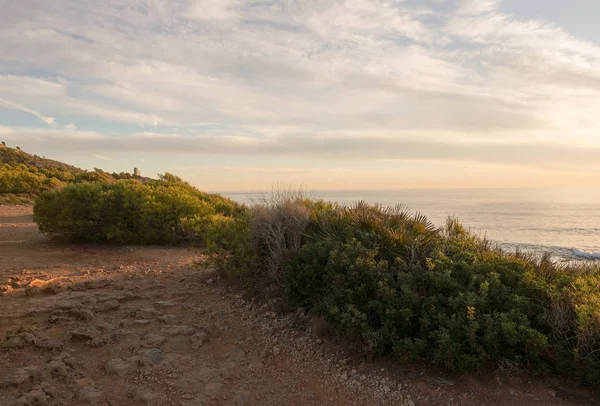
(145, 396)
(410, 402)
(83, 334)
(147, 313)
(152, 340)
(152, 356)
(212, 389)
(163, 304)
(167, 319)
(276, 350)
(90, 395)
(36, 397)
(197, 340)
(108, 306)
(57, 369)
(118, 366)
(17, 378)
(82, 313)
(13, 342)
(242, 398)
(172, 330)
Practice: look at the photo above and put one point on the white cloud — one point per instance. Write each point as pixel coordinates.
(15, 106)
(319, 77)
(101, 157)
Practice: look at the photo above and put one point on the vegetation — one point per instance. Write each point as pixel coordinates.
(24, 176)
(129, 211)
(396, 285)
(391, 282)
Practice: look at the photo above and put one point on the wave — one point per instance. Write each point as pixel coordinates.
(586, 255)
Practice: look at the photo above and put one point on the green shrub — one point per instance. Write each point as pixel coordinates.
(126, 211)
(396, 285)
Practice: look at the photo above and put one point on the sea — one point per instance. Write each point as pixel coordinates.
(562, 222)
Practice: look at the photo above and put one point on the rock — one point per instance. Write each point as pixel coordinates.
(145, 396)
(172, 330)
(212, 389)
(82, 313)
(83, 334)
(97, 283)
(167, 319)
(410, 402)
(17, 378)
(197, 340)
(53, 289)
(90, 395)
(147, 313)
(35, 397)
(238, 355)
(14, 342)
(165, 304)
(210, 281)
(386, 389)
(118, 366)
(152, 356)
(152, 340)
(108, 306)
(57, 369)
(242, 398)
(276, 350)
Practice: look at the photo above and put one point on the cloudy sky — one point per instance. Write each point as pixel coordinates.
(238, 95)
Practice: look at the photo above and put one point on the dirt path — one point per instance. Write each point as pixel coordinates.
(118, 326)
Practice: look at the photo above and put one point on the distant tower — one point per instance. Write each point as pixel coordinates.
(136, 172)
(3, 143)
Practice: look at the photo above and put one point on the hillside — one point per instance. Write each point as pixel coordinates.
(24, 176)
(15, 156)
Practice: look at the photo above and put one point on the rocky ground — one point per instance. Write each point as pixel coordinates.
(145, 325)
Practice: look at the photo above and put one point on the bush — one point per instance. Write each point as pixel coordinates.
(126, 211)
(396, 285)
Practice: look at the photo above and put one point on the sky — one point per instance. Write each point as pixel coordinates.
(242, 95)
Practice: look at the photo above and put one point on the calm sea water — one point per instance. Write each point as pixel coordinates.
(564, 222)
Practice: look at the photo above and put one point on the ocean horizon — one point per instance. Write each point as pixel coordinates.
(562, 222)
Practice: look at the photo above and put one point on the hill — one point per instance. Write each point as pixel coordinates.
(24, 176)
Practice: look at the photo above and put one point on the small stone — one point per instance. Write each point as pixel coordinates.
(35, 397)
(17, 378)
(165, 304)
(82, 314)
(118, 366)
(147, 313)
(13, 342)
(90, 395)
(57, 369)
(167, 319)
(344, 376)
(108, 306)
(386, 389)
(83, 334)
(410, 402)
(152, 355)
(276, 351)
(145, 396)
(152, 340)
(172, 330)
(197, 340)
(319, 341)
(210, 281)
(212, 389)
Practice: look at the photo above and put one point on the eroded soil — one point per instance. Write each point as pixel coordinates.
(145, 325)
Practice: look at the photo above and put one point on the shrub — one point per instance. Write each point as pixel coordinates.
(396, 285)
(126, 211)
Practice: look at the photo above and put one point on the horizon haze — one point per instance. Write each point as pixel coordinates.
(240, 95)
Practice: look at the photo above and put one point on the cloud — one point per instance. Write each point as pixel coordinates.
(347, 79)
(15, 106)
(101, 157)
(400, 147)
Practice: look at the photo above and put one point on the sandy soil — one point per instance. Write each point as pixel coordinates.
(144, 325)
